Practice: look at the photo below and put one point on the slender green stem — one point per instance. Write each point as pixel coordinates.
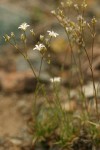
(92, 49)
(38, 87)
(63, 65)
(14, 40)
(95, 93)
(81, 84)
(58, 103)
(40, 67)
(31, 66)
(80, 77)
(35, 99)
(93, 39)
(25, 43)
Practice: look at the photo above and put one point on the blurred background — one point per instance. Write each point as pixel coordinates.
(17, 82)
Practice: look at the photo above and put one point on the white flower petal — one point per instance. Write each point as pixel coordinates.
(52, 33)
(23, 26)
(55, 79)
(39, 47)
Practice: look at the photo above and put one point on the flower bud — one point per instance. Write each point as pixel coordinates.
(41, 38)
(93, 21)
(12, 34)
(7, 38)
(23, 37)
(32, 32)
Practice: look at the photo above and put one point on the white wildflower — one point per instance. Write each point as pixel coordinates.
(39, 47)
(55, 79)
(79, 18)
(69, 3)
(23, 26)
(62, 4)
(53, 12)
(76, 6)
(52, 34)
(84, 4)
(69, 29)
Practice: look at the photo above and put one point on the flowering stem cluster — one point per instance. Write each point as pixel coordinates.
(42, 47)
(75, 30)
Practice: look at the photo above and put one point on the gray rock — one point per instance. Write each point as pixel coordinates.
(88, 90)
(11, 18)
